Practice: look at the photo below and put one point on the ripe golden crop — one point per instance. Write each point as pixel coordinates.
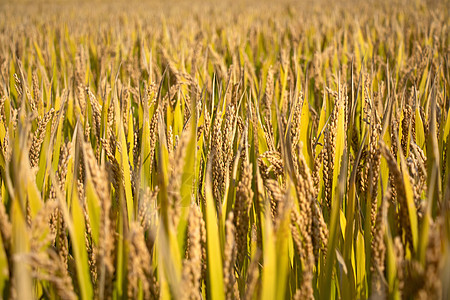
(232, 150)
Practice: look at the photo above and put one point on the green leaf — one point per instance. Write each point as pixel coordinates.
(123, 160)
(214, 251)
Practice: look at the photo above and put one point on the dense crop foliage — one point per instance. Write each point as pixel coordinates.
(224, 150)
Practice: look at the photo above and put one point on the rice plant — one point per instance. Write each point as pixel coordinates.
(232, 150)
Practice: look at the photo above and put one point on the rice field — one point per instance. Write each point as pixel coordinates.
(224, 150)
